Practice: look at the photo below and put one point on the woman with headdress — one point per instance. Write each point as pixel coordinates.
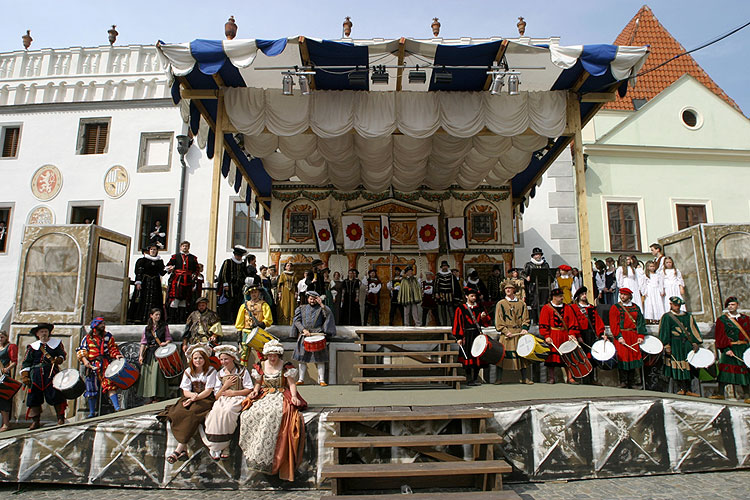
(189, 412)
(147, 294)
(272, 430)
(152, 384)
(287, 287)
(255, 312)
(233, 383)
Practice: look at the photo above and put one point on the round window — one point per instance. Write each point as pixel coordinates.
(691, 119)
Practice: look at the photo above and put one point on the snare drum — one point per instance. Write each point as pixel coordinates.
(704, 361)
(746, 358)
(168, 357)
(604, 353)
(258, 337)
(488, 350)
(8, 387)
(121, 373)
(652, 348)
(70, 383)
(575, 359)
(532, 348)
(314, 343)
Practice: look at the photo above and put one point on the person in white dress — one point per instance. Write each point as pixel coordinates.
(674, 285)
(630, 276)
(653, 293)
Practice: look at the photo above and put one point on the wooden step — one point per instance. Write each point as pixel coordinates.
(416, 469)
(370, 354)
(406, 331)
(407, 441)
(451, 495)
(398, 341)
(407, 380)
(419, 414)
(411, 366)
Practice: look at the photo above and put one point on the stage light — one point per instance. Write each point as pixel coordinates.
(304, 85)
(287, 84)
(379, 75)
(497, 84)
(513, 83)
(417, 75)
(442, 76)
(358, 78)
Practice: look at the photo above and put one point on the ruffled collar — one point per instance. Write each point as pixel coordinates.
(473, 282)
(52, 343)
(514, 299)
(151, 257)
(537, 262)
(236, 261)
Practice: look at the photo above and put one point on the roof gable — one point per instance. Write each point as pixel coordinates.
(645, 29)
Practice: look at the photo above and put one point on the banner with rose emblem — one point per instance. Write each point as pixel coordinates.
(427, 233)
(354, 232)
(385, 233)
(324, 235)
(455, 228)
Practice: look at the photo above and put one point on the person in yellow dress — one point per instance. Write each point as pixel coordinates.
(286, 288)
(253, 313)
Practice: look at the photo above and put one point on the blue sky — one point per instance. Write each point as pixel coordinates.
(85, 23)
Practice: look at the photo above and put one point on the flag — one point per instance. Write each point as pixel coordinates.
(455, 228)
(427, 233)
(324, 235)
(385, 233)
(353, 228)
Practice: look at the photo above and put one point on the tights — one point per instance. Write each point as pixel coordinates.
(321, 371)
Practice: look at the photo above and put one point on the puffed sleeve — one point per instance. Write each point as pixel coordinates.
(186, 384)
(247, 380)
(256, 376)
(291, 372)
(213, 378)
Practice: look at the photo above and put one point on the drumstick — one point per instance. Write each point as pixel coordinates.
(630, 347)
(462, 350)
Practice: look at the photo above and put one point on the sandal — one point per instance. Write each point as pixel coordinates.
(173, 457)
(214, 455)
(224, 455)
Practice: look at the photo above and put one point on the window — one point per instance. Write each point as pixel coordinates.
(691, 118)
(624, 227)
(247, 230)
(155, 154)
(481, 225)
(690, 215)
(4, 227)
(11, 135)
(84, 215)
(154, 226)
(300, 224)
(93, 136)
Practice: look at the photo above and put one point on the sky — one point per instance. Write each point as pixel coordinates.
(56, 24)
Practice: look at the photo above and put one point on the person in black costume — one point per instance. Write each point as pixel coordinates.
(148, 293)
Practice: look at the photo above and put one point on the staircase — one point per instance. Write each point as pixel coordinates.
(436, 464)
(434, 365)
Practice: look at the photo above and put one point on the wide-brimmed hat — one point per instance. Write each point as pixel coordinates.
(578, 293)
(42, 326)
(537, 250)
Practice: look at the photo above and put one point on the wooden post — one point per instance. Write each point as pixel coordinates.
(213, 218)
(574, 119)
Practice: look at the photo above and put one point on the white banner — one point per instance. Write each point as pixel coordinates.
(324, 235)
(353, 228)
(455, 229)
(427, 233)
(385, 233)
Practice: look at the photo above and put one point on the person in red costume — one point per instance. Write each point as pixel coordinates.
(732, 340)
(628, 328)
(589, 323)
(557, 325)
(468, 321)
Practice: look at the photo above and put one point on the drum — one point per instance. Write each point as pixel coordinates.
(488, 350)
(70, 383)
(605, 354)
(746, 358)
(652, 348)
(704, 362)
(532, 348)
(170, 363)
(121, 373)
(575, 359)
(314, 343)
(258, 337)
(8, 387)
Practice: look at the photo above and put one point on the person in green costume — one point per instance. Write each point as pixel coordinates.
(679, 334)
(732, 335)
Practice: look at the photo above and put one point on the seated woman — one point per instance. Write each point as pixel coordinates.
(233, 383)
(152, 384)
(190, 411)
(272, 430)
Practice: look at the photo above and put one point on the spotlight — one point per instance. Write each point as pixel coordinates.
(497, 84)
(358, 78)
(417, 76)
(304, 85)
(513, 83)
(379, 74)
(286, 84)
(442, 76)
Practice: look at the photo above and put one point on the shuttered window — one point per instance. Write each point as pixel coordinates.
(10, 141)
(624, 227)
(94, 138)
(690, 215)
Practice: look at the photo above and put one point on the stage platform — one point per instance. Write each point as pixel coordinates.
(559, 432)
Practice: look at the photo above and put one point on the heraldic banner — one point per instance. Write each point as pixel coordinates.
(427, 233)
(385, 233)
(324, 235)
(354, 232)
(455, 228)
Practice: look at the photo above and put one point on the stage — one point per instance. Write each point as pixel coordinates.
(549, 432)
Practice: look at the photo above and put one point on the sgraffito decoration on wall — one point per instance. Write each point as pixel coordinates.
(46, 182)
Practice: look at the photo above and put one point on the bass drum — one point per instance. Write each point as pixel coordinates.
(604, 354)
(70, 383)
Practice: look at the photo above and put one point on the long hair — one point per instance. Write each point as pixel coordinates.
(622, 261)
(648, 268)
(206, 363)
(670, 259)
(150, 325)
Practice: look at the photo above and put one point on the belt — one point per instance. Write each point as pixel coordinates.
(739, 342)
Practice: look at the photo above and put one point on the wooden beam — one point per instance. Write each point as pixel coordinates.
(498, 58)
(599, 97)
(199, 94)
(401, 56)
(213, 217)
(581, 80)
(584, 240)
(304, 56)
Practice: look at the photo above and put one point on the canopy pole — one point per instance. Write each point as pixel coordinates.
(574, 118)
(213, 218)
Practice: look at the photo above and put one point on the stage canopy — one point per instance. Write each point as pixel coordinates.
(406, 133)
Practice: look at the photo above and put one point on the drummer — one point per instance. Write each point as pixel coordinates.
(313, 318)
(512, 321)
(557, 325)
(732, 334)
(152, 384)
(679, 333)
(589, 322)
(96, 351)
(629, 327)
(468, 320)
(40, 365)
(253, 313)
(203, 326)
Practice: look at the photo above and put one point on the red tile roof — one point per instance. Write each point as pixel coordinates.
(645, 29)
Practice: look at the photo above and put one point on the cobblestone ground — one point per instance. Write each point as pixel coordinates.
(733, 485)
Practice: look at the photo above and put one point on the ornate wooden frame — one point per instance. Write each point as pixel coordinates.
(482, 208)
(303, 206)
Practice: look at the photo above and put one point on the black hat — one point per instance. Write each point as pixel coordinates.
(578, 293)
(239, 250)
(536, 251)
(355, 271)
(444, 263)
(316, 262)
(496, 267)
(397, 269)
(555, 292)
(470, 289)
(408, 268)
(41, 326)
(473, 274)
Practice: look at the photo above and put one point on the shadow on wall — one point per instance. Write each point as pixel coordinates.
(531, 239)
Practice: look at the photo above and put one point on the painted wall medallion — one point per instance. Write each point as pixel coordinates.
(116, 181)
(46, 182)
(41, 215)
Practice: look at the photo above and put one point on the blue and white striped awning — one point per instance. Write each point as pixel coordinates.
(272, 127)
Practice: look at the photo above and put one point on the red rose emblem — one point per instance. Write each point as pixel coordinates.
(457, 233)
(427, 233)
(324, 235)
(353, 232)
(386, 233)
